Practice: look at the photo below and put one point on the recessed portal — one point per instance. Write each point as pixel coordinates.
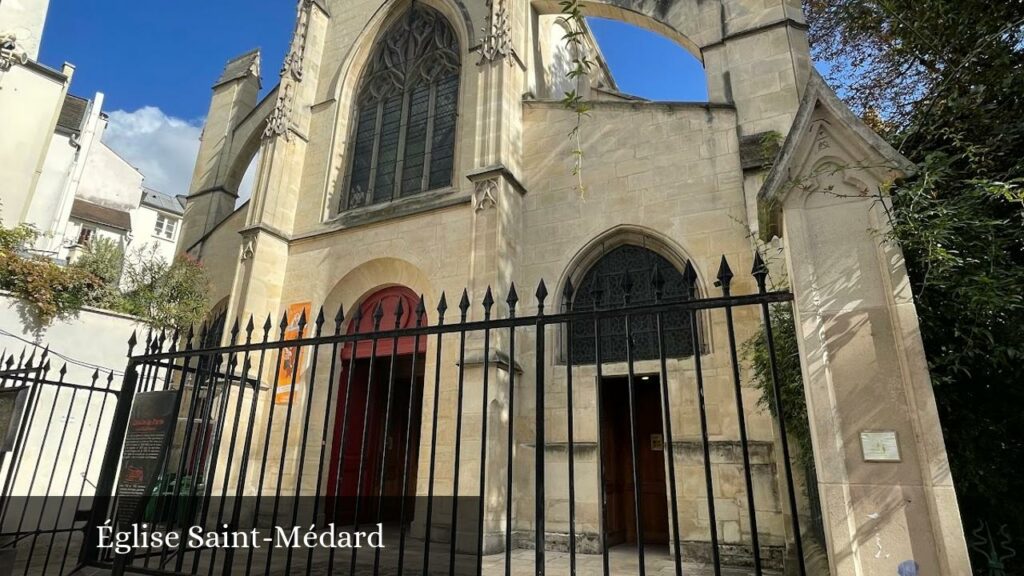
(617, 456)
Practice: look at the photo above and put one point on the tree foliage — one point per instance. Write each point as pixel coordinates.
(163, 294)
(166, 294)
(943, 80)
(49, 291)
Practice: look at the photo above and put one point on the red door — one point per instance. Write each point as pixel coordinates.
(367, 404)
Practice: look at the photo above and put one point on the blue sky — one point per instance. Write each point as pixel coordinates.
(155, 62)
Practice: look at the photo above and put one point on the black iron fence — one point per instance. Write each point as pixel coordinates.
(479, 444)
(55, 431)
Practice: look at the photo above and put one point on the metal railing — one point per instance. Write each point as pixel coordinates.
(319, 423)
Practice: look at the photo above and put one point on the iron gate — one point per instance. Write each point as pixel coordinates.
(49, 464)
(306, 423)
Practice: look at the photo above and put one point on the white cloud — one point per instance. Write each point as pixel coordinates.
(162, 147)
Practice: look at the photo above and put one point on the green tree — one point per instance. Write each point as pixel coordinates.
(164, 294)
(104, 259)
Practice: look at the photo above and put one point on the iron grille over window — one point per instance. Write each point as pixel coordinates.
(604, 286)
(404, 139)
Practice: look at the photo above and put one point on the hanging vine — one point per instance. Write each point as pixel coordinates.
(573, 100)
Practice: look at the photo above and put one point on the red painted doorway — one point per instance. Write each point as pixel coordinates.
(359, 434)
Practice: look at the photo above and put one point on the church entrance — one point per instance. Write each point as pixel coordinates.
(617, 456)
(377, 416)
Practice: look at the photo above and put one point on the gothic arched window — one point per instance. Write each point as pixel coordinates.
(603, 287)
(404, 137)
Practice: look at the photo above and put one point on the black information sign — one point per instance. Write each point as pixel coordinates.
(145, 446)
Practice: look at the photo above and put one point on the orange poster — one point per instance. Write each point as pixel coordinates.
(290, 370)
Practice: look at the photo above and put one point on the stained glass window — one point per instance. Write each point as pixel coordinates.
(407, 105)
(604, 286)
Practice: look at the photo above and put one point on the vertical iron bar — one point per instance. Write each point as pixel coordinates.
(441, 307)
(24, 429)
(111, 457)
(512, 300)
(211, 475)
(199, 456)
(269, 430)
(760, 273)
(243, 469)
(464, 307)
(339, 474)
(378, 315)
(40, 382)
(67, 480)
(605, 563)
(242, 377)
(284, 442)
(53, 471)
(567, 297)
(541, 441)
(487, 302)
(85, 475)
(690, 278)
(328, 410)
(387, 428)
(183, 463)
(179, 398)
(635, 444)
(317, 331)
(658, 282)
(724, 280)
(420, 312)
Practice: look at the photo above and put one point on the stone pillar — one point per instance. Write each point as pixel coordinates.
(234, 97)
(886, 491)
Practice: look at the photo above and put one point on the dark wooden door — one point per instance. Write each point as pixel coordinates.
(617, 455)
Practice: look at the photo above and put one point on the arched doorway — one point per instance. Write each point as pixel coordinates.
(624, 274)
(377, 415)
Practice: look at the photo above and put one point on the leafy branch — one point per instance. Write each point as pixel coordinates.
(575, 38)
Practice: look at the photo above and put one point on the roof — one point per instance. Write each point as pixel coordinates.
(161, 201)
(240, 67)
(97, 214)
(73, 113)
(817, 93)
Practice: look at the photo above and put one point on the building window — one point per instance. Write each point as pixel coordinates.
(165, 227)
(403, 141)
(604, 286)
(85, 235)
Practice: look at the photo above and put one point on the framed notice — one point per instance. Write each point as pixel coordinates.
(12, 406)
(880, 446)
(290, 370)
(145, 446)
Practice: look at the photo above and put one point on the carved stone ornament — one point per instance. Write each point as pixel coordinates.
(485, 196)
(297, 53)
(280, 121)
(248, 247)
(10, 54)
(497, 41)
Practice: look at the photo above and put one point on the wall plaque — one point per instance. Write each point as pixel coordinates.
(879, 446)
(12, 405)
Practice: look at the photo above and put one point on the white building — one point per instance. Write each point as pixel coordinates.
(58, 175)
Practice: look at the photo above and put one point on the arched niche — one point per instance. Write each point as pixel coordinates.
(648, 249)
(397, 311)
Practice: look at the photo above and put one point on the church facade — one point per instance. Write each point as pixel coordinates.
(420, 148)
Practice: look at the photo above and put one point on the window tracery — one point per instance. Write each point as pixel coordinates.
(605, 286)
(407, 105)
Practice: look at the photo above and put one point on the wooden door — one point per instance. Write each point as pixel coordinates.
(617, 454)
